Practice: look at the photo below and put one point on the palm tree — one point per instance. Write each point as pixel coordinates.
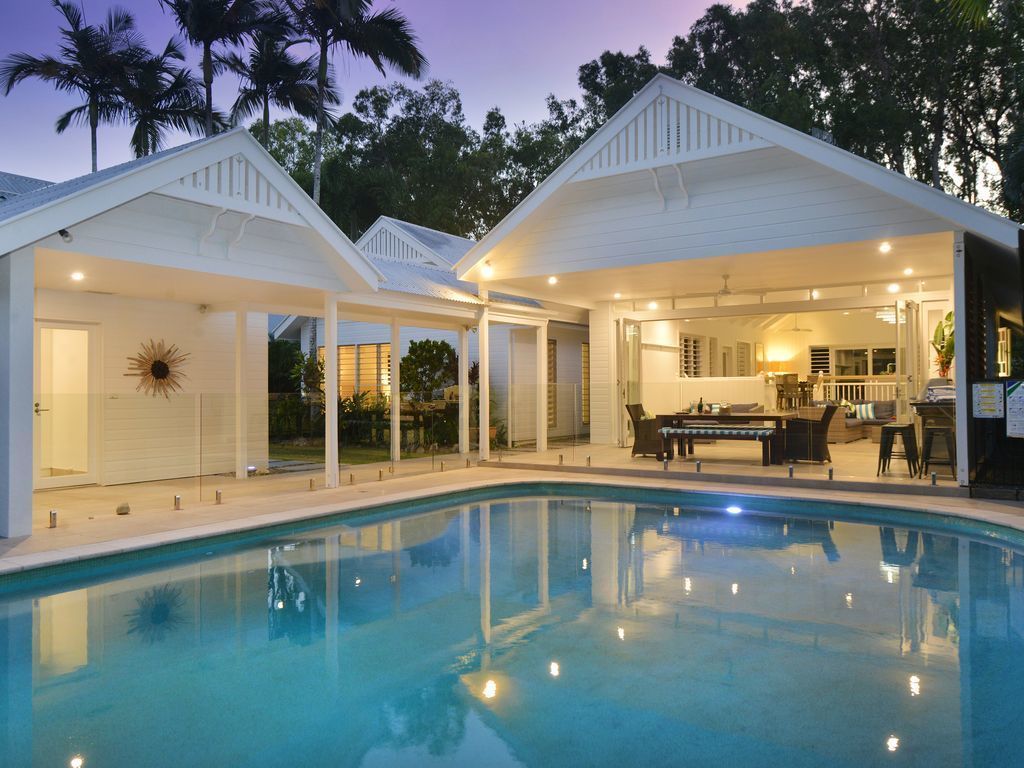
(206, 23)
(973, 12)
(157, 96)
(91, 60)
(385, 38)
(271, 76)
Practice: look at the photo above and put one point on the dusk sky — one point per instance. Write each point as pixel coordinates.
(496, 53)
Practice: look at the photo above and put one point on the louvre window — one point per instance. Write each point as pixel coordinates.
(552, 383)
(691, 356)
(585, 388)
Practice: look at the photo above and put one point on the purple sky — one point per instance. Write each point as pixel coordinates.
(510, 54)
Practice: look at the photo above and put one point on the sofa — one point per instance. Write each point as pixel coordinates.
(846, 430)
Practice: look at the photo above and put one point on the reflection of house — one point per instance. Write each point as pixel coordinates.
(418, 261)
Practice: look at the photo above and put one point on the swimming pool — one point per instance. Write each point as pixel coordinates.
(548, 626)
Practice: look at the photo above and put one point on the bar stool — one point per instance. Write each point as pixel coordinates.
(930, 435)
(886, 452)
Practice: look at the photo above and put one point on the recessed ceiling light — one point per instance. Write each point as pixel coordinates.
(815, 294)
(652, 305)
(487, 271)
(616, 295)
(885, 247)
(846, 313)
(552, 280)
(908, 271)
(893, 288)
(77, 276)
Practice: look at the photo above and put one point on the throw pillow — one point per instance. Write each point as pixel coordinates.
(864, 411)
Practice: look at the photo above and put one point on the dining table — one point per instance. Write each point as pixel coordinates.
(777, 418)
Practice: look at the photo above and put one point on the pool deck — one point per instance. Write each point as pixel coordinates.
(110, 534)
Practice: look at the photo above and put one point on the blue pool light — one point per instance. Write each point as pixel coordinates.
(733, 510)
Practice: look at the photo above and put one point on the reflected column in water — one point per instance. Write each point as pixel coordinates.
(604, 553)
(332, 599)
(16, 679)
(485, 572)
(464, 545)
(543, 589)
(964, 646)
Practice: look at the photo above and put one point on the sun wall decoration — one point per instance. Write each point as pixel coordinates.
(158, 368)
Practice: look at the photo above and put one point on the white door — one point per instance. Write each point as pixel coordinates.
(66, 405)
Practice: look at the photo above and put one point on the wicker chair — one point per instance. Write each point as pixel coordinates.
(646, 438)
(807, 439)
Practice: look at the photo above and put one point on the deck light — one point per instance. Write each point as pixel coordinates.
(490, 689)
(733, 510)
(893, 288)
(78, 276)
(552, 280)
(555, 671)
(908, 271)
(885, 247)
(652, 305)
(487, 271)
(892, 743)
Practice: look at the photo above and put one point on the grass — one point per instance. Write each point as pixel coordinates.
(314, 454)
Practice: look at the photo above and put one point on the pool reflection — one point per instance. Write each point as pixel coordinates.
(532, 631)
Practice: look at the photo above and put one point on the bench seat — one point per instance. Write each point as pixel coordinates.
(763, 435)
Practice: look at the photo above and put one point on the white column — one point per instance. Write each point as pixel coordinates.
(241, 393)
(542, 387)
(963, 468)
(396, 390)
(17, 305)
(485, 385)
(463, 391)
(331, 391)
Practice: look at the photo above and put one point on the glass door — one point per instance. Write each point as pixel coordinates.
(629, 372)
(909, 361)
(64, 436)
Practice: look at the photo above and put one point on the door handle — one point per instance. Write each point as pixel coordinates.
(39, 410)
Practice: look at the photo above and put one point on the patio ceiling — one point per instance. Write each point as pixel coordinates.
(751, 274)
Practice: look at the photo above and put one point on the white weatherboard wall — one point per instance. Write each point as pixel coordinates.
(569, 370)
(152, 438)
(604, 415)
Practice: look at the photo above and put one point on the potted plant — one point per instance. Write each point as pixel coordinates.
(942, 343)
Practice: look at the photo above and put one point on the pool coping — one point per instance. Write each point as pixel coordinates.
(983, 512)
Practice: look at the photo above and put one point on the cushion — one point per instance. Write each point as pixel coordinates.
(885, 409)
(864, 411)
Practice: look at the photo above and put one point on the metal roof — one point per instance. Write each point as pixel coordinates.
(13, 184)
(420, 280)
(451, 248)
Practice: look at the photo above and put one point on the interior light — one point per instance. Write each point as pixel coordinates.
(908, 271)
(893, 288)
(892, 743)
(815, 294)
(78, 276)
(733, 510)
(552, 280)
(885, 247)
(622, 633)
(915, 685)
(554, 669)
(735, 588)
(487, 271)
(652, 305)
(616, 295)
(490, 689)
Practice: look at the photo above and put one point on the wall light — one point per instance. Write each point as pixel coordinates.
(552, 280)
(652, 305)
(893, 288)
(66, 236)
(78, 276)
(487, 271)
(885, 247)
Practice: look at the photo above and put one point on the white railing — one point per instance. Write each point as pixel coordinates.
(888, 389)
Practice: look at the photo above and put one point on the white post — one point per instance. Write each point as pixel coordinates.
(396, 390)
(241, 393)
(17, 306)
(463, 391)
(542, 387)
(485, 386)
(330, 391)
(963, 468)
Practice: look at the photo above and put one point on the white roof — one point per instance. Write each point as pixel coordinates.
(188, 172)
(732, 126)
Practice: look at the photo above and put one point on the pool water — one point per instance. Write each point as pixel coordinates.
(628, 628)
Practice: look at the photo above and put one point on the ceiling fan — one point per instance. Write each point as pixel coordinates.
(725, 290)
(797, 329)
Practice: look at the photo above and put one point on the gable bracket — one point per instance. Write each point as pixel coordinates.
(213, 227)
(657, 188)
(241, 230)
(682, 186)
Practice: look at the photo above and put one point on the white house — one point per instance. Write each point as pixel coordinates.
(419, 261)
(705, 241)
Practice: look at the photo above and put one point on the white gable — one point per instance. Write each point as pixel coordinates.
(667, 131)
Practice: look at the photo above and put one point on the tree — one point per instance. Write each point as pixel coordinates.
(384, 38)
(92, 59)
(209, 23)
(272, 76)
(283, 357)
(427, 368)
(612, 79)
(157, 96)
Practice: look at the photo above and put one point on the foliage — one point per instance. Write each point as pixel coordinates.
(308, 372)
(942, 343)
(282, 359)
(429, 367)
